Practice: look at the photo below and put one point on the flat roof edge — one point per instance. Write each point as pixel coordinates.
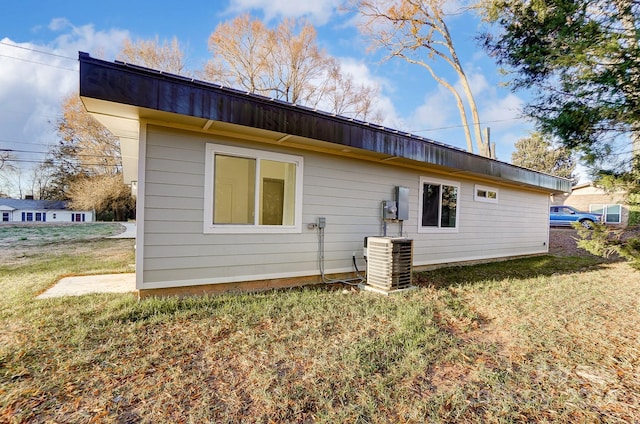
(147, 88)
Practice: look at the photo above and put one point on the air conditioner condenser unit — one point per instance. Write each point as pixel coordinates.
(389, 262)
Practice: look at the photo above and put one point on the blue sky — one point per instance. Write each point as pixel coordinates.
(40, 40)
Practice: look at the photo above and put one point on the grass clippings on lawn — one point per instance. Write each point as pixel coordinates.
(546, 339)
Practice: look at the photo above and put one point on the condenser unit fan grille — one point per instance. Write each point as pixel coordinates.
(389, 263)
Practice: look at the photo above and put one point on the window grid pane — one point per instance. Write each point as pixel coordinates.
(430, 205)
(234, 189)
(449, 206)
(613, 214)
(277, 192)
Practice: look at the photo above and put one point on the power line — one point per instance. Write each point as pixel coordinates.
(44, 153)
(468, 125)
(39, 63)
(15, 112)
(59, 162)
(23, 142)
(37, 51)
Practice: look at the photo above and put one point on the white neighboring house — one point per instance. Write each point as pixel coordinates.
(26, 210)
(242, 192)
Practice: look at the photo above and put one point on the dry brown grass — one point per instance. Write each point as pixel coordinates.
(548, 339)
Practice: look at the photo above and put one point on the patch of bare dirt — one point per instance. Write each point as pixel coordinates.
(562, 241)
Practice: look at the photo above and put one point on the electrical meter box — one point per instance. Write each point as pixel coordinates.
(389, 210)
(402, 203)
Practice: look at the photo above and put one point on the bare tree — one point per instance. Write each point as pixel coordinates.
(12, 181)
(285, 63)
(298, 66)
(86, 162)
(239, 51)
(102, 193)
(167, 56)
(345, 96)
(5, 159)
(93, 149)
(417, 31)
(41, 178)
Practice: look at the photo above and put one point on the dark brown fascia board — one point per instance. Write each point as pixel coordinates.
(147, 88)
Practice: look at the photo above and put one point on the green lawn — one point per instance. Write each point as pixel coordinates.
(547, 339)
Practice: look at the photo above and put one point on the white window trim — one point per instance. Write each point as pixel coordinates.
(486, 189)
(429, 180)
(605, 206)
(209, 228)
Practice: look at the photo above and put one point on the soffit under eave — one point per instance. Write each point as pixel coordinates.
(129, 146)
(123, 123)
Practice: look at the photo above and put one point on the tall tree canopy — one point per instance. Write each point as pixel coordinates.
(106, 194)
(417, 31)
(86, 148)
(581, 60)
(86, 164)
(167, 56)
(285, 63)
(536, 152)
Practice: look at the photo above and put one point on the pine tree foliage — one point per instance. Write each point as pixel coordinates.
(535, 152)
(581, 59)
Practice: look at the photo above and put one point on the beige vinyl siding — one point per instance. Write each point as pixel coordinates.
(347, 192)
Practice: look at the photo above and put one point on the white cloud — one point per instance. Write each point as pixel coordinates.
(58, 24)
(477, 82)
(438, 110)
(438, 117)
(504, 117)
(85, 38)
(318, 11)
(35, 78)
(383, 105)
(502, 112)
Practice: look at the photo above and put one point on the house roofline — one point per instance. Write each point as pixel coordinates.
(121, 83)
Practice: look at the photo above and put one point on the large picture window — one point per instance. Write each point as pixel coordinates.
(249, 191)
(438, 205)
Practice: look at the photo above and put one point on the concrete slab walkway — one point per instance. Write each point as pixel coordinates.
(86, 284)
(129, 231)
(107, 283)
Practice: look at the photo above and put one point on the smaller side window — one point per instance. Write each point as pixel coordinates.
(438, 209)
(485, 194)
